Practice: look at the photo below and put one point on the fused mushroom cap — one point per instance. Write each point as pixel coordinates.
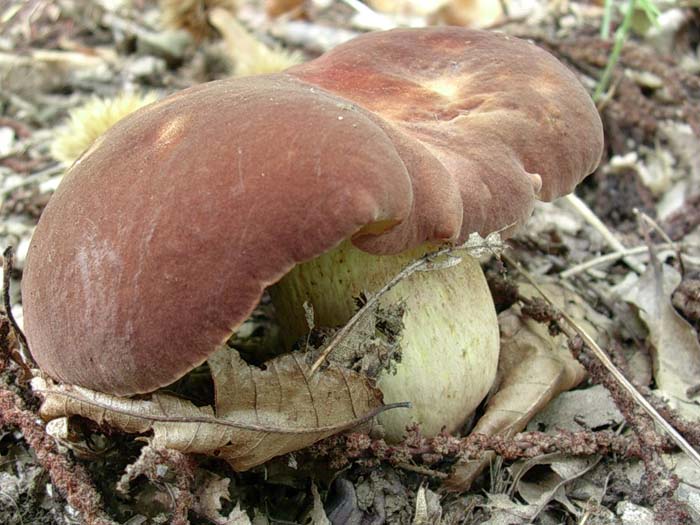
(162, 237)
(505, 120)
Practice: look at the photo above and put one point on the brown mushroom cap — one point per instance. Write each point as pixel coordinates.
(161, 238)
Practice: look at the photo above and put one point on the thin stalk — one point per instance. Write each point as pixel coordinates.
(607, 19)
(620, 38)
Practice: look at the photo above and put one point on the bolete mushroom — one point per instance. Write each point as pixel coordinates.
(323, 181)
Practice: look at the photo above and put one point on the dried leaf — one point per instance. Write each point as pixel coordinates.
(211, 489)
(504, 511)
(237, 516)
(428, 508)
(317, 516)
(478, 246)
(534, 368)
(260, 413)
(407, 7)
(534, 365)
(275, 8)
(588, 408)
(547, 488)
(550, 485)
(472, 13)
(675, 347)
(250, 55)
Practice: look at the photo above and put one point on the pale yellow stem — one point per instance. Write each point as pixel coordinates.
(449, 343)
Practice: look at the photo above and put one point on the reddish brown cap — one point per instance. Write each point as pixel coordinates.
(163, 235)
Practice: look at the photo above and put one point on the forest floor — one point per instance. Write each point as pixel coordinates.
(623, 260)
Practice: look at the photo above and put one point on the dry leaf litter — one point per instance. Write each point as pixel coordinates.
(623, 261)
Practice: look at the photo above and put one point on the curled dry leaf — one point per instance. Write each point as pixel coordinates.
(550, 483)
(534, 366)
(675, 348)
(259, 413)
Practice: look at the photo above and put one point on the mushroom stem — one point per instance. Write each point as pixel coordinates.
(449, 343)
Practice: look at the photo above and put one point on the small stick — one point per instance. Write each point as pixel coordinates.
(34, 178)
(23, 360)
(651, 222)
(592, 219)
(378, 21)
(627, 252)
(423, 471)
(610, 366)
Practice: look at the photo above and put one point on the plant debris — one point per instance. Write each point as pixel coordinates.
(592, 454)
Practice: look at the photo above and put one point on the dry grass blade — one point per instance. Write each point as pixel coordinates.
(592, 219)
(627, 252)
(610, 366)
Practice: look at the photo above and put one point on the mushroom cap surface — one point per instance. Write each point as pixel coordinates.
(162, 237)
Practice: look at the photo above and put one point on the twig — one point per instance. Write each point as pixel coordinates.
(23, 359)
(651, 222)
(523, 445)
(610, 366)
(423, 471)
(627, 252)
(427, 262)
(592, 219)
(39, 176)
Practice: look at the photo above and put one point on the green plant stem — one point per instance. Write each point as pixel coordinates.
(620, 38)
(607, 19)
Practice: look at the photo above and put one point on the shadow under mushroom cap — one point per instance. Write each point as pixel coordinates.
(163, 235)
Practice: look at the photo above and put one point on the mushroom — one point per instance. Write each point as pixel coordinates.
(320, 182)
